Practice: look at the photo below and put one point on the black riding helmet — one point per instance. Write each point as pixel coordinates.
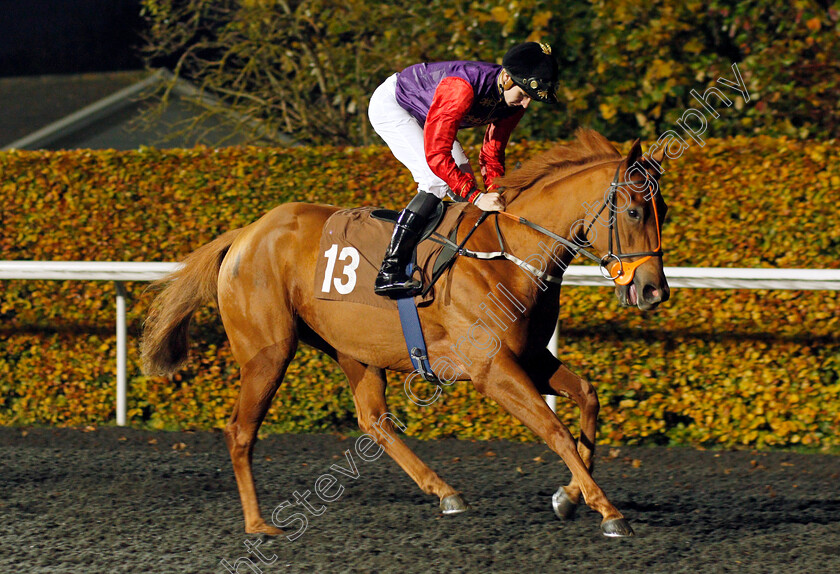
(532, 67)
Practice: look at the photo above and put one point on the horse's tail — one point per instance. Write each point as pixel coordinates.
(165, 344)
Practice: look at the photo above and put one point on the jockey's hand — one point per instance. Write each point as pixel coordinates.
(490, 202)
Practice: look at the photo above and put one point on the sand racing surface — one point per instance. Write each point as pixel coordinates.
(123, 500)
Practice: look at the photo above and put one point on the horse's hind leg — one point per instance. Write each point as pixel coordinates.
(368, 384)
(261, 376)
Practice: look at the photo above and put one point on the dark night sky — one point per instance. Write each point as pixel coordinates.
(40, 37)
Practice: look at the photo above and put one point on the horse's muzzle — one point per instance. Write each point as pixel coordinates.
(644, 295)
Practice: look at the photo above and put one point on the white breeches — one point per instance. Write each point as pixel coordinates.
(404, 135)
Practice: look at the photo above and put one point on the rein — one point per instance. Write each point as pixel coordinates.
(619, 271)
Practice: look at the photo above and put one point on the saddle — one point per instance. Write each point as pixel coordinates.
(353, 244)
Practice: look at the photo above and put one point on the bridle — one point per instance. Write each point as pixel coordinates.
(616, 272)
(619, 271)
(613, 265)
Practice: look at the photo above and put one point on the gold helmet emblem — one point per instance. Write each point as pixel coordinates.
(546, 48)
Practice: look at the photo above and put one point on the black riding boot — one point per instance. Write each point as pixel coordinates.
(392, 280)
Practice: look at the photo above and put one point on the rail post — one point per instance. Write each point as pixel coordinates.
(122, 338)
(552, 346)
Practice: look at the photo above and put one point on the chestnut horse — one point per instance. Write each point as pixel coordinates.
(262, 276)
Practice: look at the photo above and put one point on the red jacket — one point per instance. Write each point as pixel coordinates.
(468, 95)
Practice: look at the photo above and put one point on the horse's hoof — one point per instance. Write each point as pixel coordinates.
(563, 506)
(265, 530)
(616, 528)
(453, 504)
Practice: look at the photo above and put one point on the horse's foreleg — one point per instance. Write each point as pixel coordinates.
(368, 384)
(509, 385)
(260, 378)
(552, 377)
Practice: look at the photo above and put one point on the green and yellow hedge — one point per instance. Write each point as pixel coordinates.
(712, 367)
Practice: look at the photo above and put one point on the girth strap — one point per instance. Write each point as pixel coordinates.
(414, 340)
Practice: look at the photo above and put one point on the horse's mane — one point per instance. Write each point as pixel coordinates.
(559, 162)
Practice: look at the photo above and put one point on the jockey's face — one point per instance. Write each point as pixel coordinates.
(516, 96)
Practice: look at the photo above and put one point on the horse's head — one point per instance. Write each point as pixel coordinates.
(611, 207)
(632, 239)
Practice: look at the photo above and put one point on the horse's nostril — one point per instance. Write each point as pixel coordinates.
(651, 294)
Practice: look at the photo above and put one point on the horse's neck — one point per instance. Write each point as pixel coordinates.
(559, 209)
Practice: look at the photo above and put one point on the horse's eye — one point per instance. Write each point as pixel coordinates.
(634, 213)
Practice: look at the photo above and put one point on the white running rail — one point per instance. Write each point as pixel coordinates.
(583, 275)
(117, 271)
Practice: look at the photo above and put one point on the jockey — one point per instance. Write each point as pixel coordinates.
(418, 113)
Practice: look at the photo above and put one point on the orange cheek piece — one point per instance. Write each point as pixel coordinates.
(623, 274)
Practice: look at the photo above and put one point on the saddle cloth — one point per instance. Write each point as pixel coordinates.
(352, 246)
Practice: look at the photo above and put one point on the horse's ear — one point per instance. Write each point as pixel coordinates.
(658, 155)
(652, 162)
(635, 153)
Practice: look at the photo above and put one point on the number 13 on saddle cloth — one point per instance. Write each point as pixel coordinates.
(352, 245)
